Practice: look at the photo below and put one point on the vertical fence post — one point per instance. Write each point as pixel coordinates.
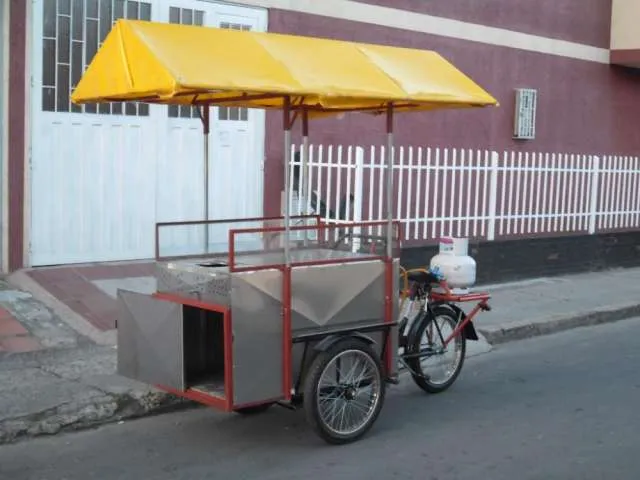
(493, 196)
(595, 181)
(358, 193)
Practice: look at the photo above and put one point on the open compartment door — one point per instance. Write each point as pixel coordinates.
(150, 339)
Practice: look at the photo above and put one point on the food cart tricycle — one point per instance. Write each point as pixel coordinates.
(290, 310)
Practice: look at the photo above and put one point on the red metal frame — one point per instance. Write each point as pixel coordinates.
(310, 263)
(287, 344)
(237, 98)
(378, 109)
(320, 227)
(159, 225)
(388, 311)
(459, 328)
(200, 397)
(287, 337)
(449, 297)
(196, 92)
(225, 403)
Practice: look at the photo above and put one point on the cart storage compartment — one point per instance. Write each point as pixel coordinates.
(203, 350)
(169, 344)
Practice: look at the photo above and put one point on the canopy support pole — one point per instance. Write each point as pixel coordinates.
(304, 177)
(206, 124)
(389, 273)
(389, 171)
(287, 161)
(286, 274)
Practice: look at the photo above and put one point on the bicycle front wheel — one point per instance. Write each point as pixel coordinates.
(436, 371)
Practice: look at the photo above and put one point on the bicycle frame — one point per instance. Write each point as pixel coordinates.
(450, 298)
(447, 297)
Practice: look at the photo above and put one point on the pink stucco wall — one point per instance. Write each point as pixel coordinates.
(583, 107)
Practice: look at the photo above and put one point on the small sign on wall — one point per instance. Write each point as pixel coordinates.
(525, 114)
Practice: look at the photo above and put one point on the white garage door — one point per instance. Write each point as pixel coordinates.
(102, 175)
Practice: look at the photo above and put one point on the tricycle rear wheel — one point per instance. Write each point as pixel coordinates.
(344, 391)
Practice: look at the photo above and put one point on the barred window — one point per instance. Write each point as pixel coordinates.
(184, 16)
(73, 31)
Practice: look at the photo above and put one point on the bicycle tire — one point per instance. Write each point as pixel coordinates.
(311, 388)
(415, 364)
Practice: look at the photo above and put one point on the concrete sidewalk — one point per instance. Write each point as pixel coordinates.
(71, 383)
(547, 305)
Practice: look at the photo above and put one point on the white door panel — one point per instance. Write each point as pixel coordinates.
(101, 176)
(180, 180)
(237, 168)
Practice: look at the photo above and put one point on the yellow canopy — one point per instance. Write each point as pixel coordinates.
(179, 64)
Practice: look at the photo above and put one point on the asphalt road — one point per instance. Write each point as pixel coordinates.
(560, 407)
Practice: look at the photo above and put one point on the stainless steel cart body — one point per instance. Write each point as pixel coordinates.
(217, 335)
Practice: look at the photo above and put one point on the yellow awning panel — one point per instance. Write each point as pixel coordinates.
(179, 64)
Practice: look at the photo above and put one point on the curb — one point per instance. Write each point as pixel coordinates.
(112, 408)
(513, 331)
(91, 413)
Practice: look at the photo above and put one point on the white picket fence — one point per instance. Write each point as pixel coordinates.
(475, 193)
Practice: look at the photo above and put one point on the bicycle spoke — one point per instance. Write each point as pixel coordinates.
(346, 407)
(439, 367)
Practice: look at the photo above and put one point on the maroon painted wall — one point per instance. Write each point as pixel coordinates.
(581, 21)
(583, 107)
(16, 144)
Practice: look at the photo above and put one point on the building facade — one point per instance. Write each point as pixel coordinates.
(87, 184)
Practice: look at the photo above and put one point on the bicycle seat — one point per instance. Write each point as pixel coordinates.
(422, 277)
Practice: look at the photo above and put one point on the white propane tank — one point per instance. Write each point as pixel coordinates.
(458, 268)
